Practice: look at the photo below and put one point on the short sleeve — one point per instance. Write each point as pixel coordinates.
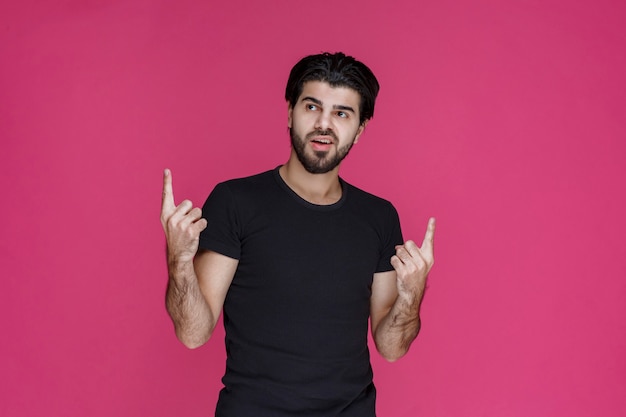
(392, 236)
(223, 231)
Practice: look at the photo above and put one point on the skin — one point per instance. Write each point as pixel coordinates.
(324, 125)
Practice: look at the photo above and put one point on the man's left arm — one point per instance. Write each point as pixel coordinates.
(397, 296)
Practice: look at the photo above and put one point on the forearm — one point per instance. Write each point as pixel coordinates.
(397, 330)
(189, 310)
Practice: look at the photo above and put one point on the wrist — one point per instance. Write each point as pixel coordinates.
(410, 300)
(179, 267)
(411, 295)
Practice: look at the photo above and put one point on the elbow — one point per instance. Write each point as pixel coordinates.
(392, 356)
(394, 350)
(390, 353)
(191, 344)
(191, 341)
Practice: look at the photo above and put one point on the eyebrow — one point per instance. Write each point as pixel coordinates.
(336, 106)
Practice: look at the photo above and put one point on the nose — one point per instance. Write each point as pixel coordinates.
(323, 121)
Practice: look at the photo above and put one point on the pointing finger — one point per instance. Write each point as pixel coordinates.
(167, 202)
(429, 237)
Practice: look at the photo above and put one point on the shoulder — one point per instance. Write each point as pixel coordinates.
(246, 192)
(363, 198)
(251, 181)
(246, 186)
(376, 211)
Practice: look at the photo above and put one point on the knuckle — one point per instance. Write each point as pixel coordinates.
(171, 221)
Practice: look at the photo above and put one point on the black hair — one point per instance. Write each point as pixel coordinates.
(338, 70)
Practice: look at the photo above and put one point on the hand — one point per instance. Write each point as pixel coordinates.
(182, 224)
(412, 264)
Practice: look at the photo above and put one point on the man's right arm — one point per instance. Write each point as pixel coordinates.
(198, 283)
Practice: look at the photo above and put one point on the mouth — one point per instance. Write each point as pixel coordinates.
(324, 140)
(321, 143)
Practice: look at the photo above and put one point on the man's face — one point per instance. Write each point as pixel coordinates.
(324, 124)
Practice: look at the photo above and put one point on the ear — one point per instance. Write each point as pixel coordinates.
(359, 131)
(289, 115)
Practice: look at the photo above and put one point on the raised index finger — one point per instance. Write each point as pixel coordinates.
(167, 201)
(429, 237)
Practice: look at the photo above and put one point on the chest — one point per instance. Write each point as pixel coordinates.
(307, 258)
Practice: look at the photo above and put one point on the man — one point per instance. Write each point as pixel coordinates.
(299, 260)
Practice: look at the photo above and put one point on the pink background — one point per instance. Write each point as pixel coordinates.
(505, 120)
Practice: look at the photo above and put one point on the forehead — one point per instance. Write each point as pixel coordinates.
(331, 96)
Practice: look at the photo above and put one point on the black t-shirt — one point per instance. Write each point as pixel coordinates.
(296, 314)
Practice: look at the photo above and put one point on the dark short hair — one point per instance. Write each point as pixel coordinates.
(338, 70)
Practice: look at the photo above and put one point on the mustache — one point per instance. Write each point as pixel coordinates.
(321, 133)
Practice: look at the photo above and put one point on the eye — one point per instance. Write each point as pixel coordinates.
(342, 114)
(311, 107)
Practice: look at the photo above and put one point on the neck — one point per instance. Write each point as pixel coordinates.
(321, 189)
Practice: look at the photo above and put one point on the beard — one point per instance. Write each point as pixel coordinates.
(320, 162)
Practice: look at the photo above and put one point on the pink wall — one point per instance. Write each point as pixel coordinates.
(506, 120)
